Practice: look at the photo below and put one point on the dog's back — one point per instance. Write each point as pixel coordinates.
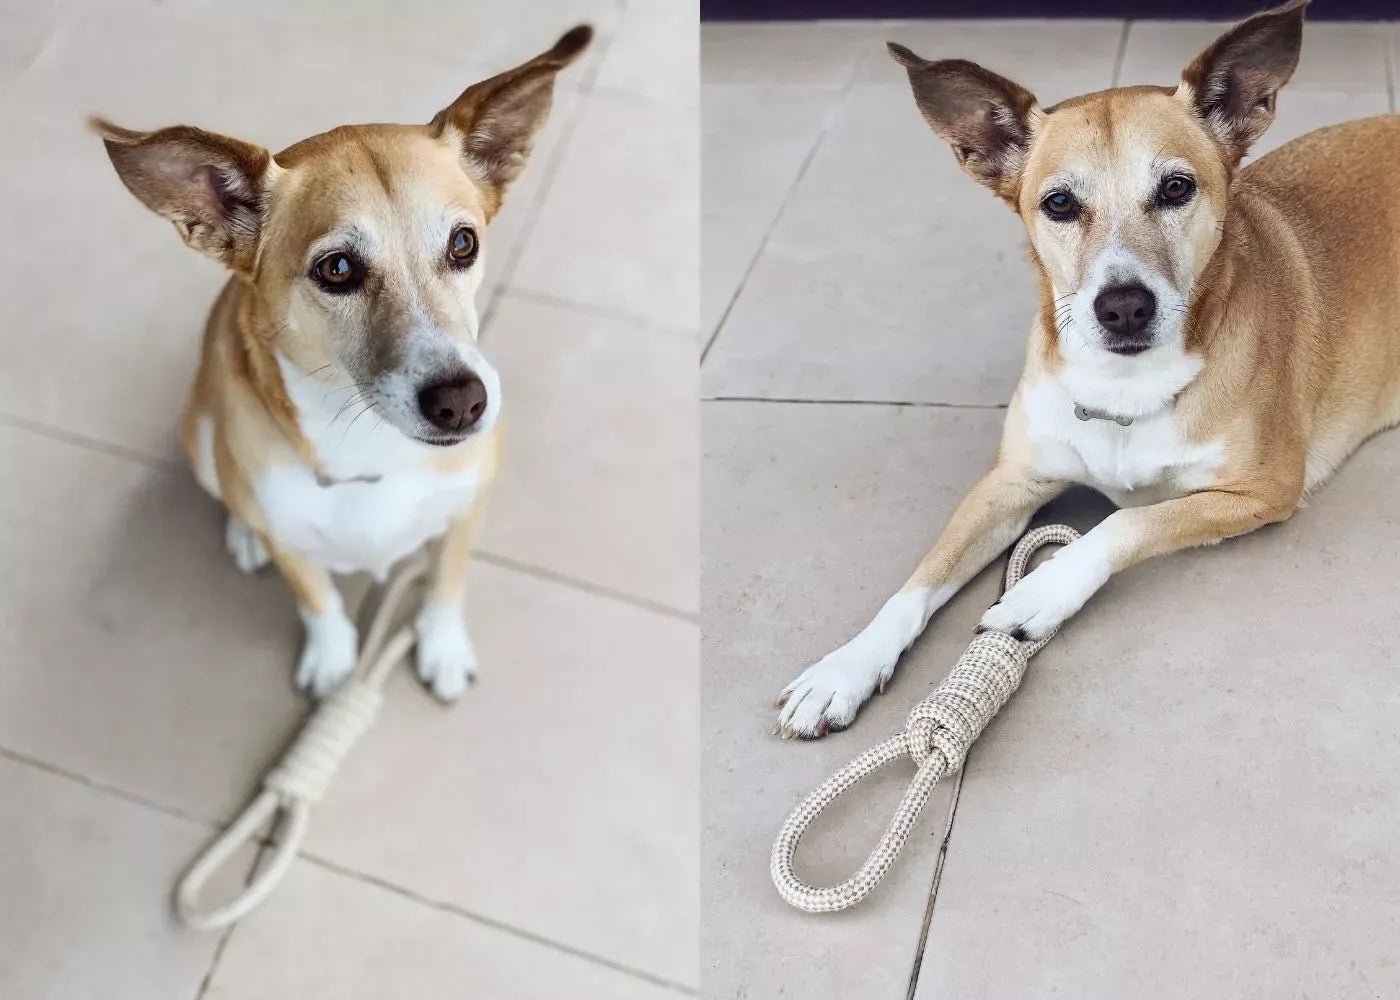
(1325, 208)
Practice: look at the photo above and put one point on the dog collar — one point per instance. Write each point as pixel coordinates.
(1085, 413)
(325, 481)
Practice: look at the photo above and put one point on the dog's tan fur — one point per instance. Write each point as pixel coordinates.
(1289, 327)
(274, 332)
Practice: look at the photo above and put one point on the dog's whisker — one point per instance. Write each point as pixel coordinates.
(367, 408)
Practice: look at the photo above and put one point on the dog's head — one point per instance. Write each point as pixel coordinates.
(364, 245)
(1123, 192)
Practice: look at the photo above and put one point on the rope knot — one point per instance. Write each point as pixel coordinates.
(305, 771)
(954, 715)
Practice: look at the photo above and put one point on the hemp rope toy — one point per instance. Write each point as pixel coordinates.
(937, 737)
(300, 779)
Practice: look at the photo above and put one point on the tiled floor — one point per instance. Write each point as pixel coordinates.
(1194, 793)
(536, 839)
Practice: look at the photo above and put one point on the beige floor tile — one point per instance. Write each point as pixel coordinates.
(656, 53)
(755, 138)
(27, 24)
(470, 35)
(139, 657)
(559, 795)
(821, 53)
(326, 935)
(87, 879)
(814, 515)
(890, 276)
(600, 479)
(1033, 53)
(1195, 791)
(620, 227)
(140, 310)
(1336, 54)
(1301, 111)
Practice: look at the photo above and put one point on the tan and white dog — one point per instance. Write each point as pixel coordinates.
(1211, 342)
(356, 257)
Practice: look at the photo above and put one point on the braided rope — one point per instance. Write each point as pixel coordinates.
(301, 777)
(937, 737)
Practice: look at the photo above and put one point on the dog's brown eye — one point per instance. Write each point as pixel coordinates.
(461, 248)
(1061, 206)
(338, 272)
(1175, 190)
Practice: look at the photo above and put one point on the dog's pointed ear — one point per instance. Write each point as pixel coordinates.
(1232, 84)
(211, 187)
(495, 121)
(986, 118)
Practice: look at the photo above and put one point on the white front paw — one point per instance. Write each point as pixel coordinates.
(446, 658)
(828, 694)
(328, 657)
(1049, 594)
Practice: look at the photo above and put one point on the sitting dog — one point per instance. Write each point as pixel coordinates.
(1211, 342)
(356, 256)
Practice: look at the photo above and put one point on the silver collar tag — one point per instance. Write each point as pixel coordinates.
(1084, 413)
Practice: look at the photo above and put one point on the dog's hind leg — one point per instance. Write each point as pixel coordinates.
(828, 694)
(249, 553)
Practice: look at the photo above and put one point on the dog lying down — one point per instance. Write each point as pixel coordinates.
(342, 411)
(1211, 342)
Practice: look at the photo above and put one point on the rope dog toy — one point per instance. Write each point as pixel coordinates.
(300, 779)
(940, 731)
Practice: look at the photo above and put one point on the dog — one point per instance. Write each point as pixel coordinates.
(1211, 342)
(356, 257)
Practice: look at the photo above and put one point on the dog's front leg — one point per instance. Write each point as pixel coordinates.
(446, 658)
(328, 655)
(828, 694)
(1058, 588)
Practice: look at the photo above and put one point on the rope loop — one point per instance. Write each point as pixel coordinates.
(937, 736)
(301, 777)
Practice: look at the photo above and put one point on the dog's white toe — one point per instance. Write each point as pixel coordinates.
(446, 657)
(328, 657)
(1047, 596)
(828, 694)
(249, 553)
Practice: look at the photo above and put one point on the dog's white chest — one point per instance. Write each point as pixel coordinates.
(357, 526)
(1144, 462)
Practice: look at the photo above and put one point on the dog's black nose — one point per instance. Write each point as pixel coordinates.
(1126, 310)
(454, 405)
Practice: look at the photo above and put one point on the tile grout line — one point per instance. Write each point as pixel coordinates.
(1122, 52)
(498, 925)
(854, 402)
(264, 845)
(587, 586)
(550, 173)
(108, 448)
(133, 798)
(937, 880)
(504, 289)
(216, 958)
(827, 122)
